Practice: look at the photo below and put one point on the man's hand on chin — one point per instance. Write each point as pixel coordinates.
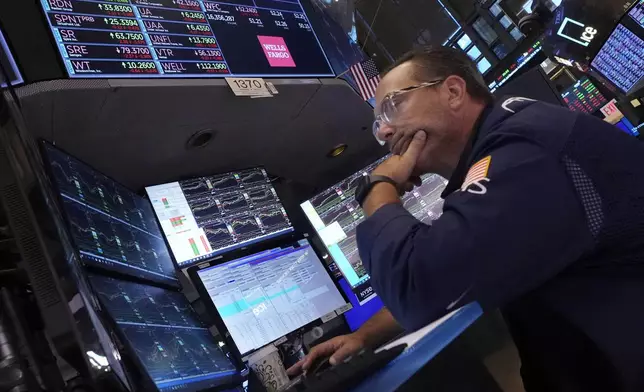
(399, 168)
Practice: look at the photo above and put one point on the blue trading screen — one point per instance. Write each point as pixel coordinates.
(205, 216)
(112, 227)
(621, 59)
(185, 38)
(173, 345)
(335, 215)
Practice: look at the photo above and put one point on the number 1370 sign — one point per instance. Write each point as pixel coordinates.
(248, 86)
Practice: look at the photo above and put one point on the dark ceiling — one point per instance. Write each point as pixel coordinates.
(136, 130)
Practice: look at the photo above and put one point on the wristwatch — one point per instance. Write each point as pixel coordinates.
(366, 184)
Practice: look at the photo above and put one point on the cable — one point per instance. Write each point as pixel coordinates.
(373, 21)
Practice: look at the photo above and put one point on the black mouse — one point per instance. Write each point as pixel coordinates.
(319, 365)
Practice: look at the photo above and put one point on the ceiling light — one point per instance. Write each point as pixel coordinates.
(337, 150)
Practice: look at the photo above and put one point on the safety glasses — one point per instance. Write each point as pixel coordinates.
(390, 107)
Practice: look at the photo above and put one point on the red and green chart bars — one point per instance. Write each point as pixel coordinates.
(177, 221)
(195, 248)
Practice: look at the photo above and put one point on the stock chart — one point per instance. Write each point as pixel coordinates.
(583, 96)
(205, 216)
(335, 215)
(185, 38)
(165, 333)
(112, 227)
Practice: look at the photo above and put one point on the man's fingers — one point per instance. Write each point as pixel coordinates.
(415, 147)
(295, 369)
(321, 350)
(342, 353)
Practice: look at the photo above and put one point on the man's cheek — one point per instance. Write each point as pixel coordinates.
(423, 165)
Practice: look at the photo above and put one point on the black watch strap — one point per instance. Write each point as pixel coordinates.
(367, 184)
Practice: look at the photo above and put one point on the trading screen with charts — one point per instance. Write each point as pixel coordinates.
(111, 226)
(621, 59)
(205, 216)
(265, 296)
(173, 345)
(185, 38)
(584, 97)
(335, 215)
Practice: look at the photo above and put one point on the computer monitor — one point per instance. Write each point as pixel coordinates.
(185, 38)
(584, 97)
(112, 227)
(165, 337)
(206, 216)
(335, 214)
(621, 58)
(264, 296)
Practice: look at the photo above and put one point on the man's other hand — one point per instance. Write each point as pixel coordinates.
(339, 348)
(400, 167)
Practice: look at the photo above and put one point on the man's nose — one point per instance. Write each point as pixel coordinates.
(385, 133)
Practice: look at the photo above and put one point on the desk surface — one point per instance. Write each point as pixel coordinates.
(415, 357)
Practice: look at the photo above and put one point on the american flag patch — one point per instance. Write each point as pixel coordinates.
(477, 172)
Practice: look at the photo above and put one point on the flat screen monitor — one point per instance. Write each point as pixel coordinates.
(206, 216)
(165, 336)
(112, 227)
(621, 58)
(185, 38)
(584, 97)
(335, 214)
(266, 295)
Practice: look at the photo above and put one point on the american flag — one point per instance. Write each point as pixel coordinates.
(477, 172)
(366, 75)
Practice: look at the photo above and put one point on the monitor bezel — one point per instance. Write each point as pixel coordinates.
(144, 376)
(6, 45)
(233, 250)
(43, 145)
(211, 309)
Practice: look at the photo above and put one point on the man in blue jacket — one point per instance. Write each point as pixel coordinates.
(543, 218)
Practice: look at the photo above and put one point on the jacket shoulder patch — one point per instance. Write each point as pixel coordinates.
(477, 172)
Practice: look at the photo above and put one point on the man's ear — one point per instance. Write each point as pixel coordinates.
(456, 90)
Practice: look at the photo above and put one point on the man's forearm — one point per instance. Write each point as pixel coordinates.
(382, 194)
(380, 328)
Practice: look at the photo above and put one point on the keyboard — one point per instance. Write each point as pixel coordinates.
(345, 375)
